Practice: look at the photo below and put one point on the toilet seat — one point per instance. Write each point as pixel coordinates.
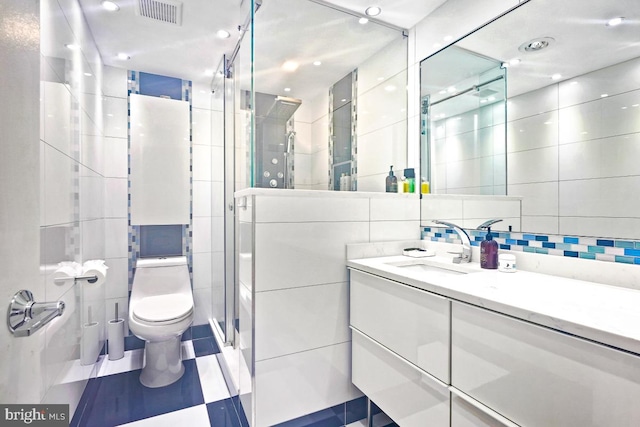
(160, 309)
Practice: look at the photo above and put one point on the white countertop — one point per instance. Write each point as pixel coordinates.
(602, 313)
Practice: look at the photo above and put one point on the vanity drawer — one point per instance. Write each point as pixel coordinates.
(411, 322)
(409, 396)
(466, 413)
(536, 376)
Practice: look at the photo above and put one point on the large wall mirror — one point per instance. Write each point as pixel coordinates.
(304, 52)
(572, 115)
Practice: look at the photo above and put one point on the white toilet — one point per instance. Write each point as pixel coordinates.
(160, 310)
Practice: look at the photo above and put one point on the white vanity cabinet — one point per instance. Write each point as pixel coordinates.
(538, 377)
(400, 349)
(407, 394)
(436, 360)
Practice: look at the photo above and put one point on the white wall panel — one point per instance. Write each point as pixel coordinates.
(302, 254)
(297, 384)
(160, 159)
(294, 320)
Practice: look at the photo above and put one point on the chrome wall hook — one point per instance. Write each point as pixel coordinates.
(25, 316)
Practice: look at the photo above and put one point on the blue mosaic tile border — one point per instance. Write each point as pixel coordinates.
(611, 250)
(133, 78)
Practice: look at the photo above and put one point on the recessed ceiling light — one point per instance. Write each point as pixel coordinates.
(363, 20)
(223, 34)
(287, 89)
(373, 11)
(110, 5)
(615, 21)
(604, 95)
(556, 76)
(290, 66)
(447, 38)
(317, 63)
(123, 56)
(536, 44)
(343, 100)
(72, 46)
(88, 74)
(451, 89)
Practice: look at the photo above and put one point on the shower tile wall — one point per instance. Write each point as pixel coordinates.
(468, 152)
(382, 116)
(381, 124)
(207, 175)
(581, 175)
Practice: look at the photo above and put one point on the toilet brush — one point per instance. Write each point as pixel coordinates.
(116, 336)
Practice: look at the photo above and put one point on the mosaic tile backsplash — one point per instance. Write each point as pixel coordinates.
(622, 251)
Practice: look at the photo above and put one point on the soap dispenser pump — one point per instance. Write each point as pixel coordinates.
(489, 247)
(391, 183)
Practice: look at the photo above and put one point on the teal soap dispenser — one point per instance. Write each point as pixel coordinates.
(489, 247)
(391, 183)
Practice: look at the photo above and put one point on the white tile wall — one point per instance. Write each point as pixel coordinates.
(298, 289)
(288, 324)
(319, 256)
(470, 211)
(574, 160)
(303, 378)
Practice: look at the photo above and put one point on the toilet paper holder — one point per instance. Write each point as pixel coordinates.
(25, 316)
(90, 279)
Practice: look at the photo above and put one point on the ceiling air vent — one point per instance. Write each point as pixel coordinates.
(166, 11)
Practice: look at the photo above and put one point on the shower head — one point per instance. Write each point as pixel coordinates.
(283, 108)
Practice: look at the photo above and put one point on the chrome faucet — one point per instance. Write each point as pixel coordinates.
(465, 255)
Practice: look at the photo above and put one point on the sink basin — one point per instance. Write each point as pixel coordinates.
(427, 266)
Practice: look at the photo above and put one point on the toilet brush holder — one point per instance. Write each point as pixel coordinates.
(115, 332)
(90, 342)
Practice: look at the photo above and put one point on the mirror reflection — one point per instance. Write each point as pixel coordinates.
(573, 115)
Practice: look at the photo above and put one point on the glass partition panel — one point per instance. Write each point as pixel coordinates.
(302, 52)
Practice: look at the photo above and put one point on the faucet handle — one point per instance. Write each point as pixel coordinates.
(488, 223)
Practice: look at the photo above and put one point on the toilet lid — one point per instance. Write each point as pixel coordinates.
(161, 308)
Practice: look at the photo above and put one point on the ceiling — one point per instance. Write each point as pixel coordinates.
(193, 51)
(582, 42)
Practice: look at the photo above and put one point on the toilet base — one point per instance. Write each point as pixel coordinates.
(163, 363)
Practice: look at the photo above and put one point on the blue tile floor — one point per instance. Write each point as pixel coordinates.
(199, 399)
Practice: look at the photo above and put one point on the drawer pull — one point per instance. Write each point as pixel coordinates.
(493, 414)
(400, 358)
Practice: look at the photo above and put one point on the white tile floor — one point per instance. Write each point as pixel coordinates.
(214, 387)
(195, 416)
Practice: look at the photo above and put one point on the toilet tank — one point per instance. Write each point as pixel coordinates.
(159, 276)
